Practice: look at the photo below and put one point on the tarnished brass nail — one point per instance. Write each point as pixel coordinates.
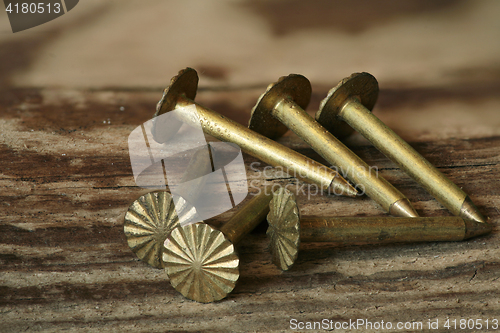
(181, 93)
(148, 222)
(150, 219)
(287, 229)
(201, 261)
(351, 101)
(282, 106)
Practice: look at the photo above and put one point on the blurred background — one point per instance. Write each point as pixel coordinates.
(130, 43)
(421, 51)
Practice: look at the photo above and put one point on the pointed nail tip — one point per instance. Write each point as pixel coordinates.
(403, 208)
(412, 213)
(480, 219)
(469, 211)
(343, 188)
(352, 193)
(476, 228)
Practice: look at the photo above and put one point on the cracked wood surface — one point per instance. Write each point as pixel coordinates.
(66, 180)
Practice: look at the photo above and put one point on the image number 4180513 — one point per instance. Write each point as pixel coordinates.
(25, 14)
(33, 8)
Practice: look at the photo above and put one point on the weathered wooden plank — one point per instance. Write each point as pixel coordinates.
(66, 265)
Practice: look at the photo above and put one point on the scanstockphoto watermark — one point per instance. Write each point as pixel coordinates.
(359, 325)
(363, 325)
(171, 150)
(211, 178)
(306, 189)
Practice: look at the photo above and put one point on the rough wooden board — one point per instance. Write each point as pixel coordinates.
(66, 180)
(66, 265)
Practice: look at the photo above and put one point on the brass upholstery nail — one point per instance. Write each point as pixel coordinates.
(148, 222)
(282, 107)
(150, 219)
(201, 261)
(351, 101)
(287, 229)
(181, 93)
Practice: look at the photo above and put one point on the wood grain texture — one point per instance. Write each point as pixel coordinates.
(70, 97)
(66, 265)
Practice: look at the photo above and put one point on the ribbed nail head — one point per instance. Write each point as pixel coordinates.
(201, 263)
(147, 223)
(284, 229)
